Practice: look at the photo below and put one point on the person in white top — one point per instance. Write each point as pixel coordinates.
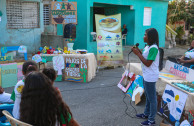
(188, 58)
(27, 67)
(150, 68)
(4, 97)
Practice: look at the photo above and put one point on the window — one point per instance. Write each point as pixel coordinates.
(46, 13)
(22, 14)
(147, 16)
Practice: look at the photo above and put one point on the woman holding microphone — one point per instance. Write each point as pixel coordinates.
(150, 69)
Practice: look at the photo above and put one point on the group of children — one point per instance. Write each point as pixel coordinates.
(37, 101)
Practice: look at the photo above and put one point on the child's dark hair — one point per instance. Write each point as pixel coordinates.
(50, 73)
(29, 66)
(153, 37)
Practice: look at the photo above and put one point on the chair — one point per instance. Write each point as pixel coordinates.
(13, 121)
(8, 107)
(124, 37)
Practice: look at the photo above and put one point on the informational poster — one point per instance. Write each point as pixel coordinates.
(64, 12)
(109, 40)
(172, 104)
(76, 69)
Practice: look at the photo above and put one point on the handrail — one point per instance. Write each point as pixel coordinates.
(171, 30)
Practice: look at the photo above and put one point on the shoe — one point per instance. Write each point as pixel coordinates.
(141, 116)
(148, 123)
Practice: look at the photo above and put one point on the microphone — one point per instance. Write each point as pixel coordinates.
(136, 45)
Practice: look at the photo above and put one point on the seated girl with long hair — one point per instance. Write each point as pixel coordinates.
(42, 105)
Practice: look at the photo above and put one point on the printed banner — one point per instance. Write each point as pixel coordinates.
(76, 69)
(64, 12)
(179, 70)
(172, 104)
(109, 40)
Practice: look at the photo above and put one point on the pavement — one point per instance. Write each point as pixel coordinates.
(100, 102)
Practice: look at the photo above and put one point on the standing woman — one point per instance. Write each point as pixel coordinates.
(150, 68)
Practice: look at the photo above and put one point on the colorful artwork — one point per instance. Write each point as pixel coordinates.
(109, 28)
(76, 69)
(37, 58)
(138, 82)
(172, 104)
(22, 49)
(5, 58)
(64, 12)
(12, 48)
(187, 86)
(8, 71)
(169, 76)
(126, 81)
(20, 75)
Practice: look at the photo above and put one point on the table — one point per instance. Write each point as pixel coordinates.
(161, 84)
(89, 57)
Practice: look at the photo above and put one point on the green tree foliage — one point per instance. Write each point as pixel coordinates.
(181, 10)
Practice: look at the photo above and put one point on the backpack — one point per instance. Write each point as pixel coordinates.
(161, 53)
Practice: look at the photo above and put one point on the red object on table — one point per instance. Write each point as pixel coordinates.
(38, 52)
(49, 51)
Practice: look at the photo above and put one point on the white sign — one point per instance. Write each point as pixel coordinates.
(22, 49)
(58, 64)
(173, 102)
(37, 58)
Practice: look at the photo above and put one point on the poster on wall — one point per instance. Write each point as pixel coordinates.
(64, 12)
(172, 104)
(109, 40)
(76, 69)
(8, 71)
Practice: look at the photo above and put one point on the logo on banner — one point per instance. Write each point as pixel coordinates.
(100, 37)
(117, 37)
(108, 38)
(118, 43)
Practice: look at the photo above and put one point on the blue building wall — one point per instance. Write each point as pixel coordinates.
(135, 17)
(16, 37)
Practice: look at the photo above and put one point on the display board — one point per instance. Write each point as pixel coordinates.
(172, 104)
(76, 69)
(64, 12)
(109, 40)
